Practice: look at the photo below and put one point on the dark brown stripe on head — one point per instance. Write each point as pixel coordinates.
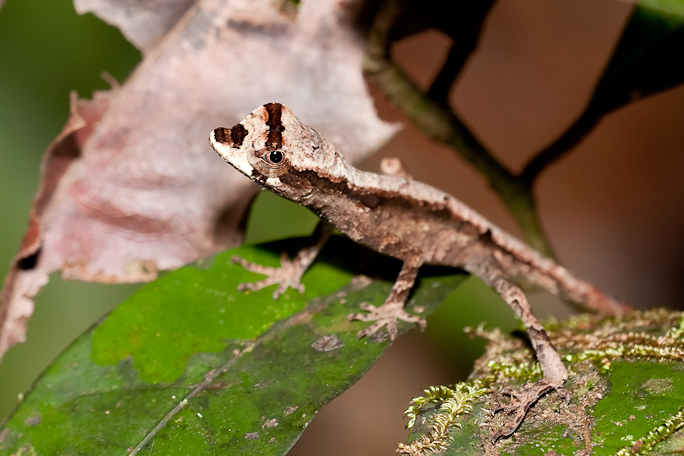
(275, 125)
(237, 134)
(222, 135)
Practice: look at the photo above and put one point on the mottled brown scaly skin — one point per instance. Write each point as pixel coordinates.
(405, 219)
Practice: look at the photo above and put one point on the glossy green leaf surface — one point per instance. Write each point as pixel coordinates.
(190, 366)
(196, 309)
(642, 395)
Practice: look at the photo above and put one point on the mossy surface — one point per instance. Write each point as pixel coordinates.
(626, 383)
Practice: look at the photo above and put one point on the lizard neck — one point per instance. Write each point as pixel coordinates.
(363, 181)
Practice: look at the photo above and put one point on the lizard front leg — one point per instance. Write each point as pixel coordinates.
(290, 272)
(393, 308)
(553, 369)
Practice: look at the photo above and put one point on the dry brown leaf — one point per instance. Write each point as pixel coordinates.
(143, 22)
(140, 190)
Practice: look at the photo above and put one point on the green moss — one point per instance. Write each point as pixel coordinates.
(625, 380)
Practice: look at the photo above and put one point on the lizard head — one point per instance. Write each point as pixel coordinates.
(276, 150)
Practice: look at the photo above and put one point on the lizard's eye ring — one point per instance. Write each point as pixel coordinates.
(274, 158)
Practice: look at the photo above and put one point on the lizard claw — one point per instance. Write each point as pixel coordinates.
(367, 307)
(372, 329)
(385, 315)
(287, 275)
(522, 400)
(506, 408)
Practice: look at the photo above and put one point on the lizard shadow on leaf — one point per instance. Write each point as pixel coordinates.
(346, 254)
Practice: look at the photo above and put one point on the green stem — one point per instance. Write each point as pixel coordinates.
(561, 146)
(440, 123)
(431, 113)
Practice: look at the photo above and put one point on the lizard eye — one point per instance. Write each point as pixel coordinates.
(275, 157)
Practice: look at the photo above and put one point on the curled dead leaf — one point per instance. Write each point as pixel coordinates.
(131, 185)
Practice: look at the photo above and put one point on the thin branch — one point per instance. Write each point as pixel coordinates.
(436, 119)
(445, 79)
(561, 146)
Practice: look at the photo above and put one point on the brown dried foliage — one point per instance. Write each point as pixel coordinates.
(131, 185)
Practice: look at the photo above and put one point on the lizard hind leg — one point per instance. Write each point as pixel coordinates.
(393, 308)
(553, 369)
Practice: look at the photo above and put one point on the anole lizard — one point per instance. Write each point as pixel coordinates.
(403, 218)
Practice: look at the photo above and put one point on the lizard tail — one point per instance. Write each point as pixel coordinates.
(559, 280)
(550, 276)
(593, 299)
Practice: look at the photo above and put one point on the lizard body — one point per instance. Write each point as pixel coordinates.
(403, 218)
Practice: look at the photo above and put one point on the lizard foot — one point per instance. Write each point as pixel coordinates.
(287, 275)
(522, 400)
(385, 315)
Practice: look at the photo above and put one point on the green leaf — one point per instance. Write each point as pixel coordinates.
(675, 7)
(648, 58)
(196, 309)
(188, 365)
(625, 377)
